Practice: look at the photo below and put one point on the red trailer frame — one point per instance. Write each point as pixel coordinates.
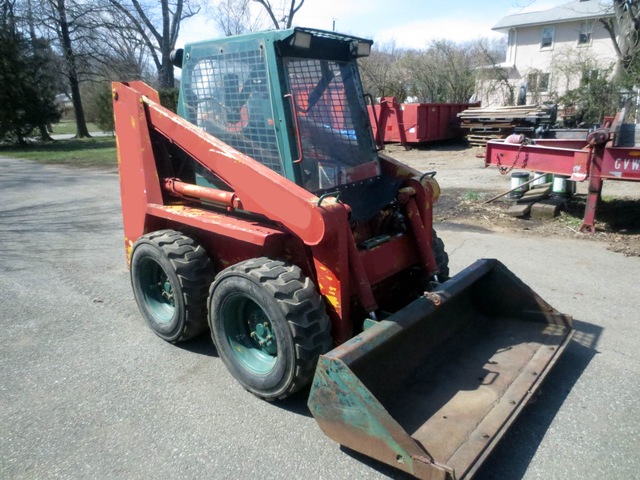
(597, 158)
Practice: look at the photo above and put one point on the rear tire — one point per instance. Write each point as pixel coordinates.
(170, 276)
(269, 325)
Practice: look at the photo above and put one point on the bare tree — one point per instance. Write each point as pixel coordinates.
(158, 26)
(91, 46)
(458, 70)
(282, 12)
(382, 73)
(68, 20)
(123, 55)
(569, 66)
(235, 17)
(624, 30)
(444, 72)
(494, 81)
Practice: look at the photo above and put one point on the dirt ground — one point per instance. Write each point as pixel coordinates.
(466, 185)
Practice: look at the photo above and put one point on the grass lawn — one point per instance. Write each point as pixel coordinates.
(69, 126)
(88, 152)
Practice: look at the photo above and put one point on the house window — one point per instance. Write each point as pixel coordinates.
(584, 35)
(547, 37)
(538, 82)
(589, 76)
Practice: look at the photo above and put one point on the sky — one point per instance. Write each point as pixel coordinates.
(408, 23)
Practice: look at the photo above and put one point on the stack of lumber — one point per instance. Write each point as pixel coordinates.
(484, 124)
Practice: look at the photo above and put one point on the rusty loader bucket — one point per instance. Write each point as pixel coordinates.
(432, 389)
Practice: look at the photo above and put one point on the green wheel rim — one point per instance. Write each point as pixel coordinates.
(157, 290)
(250, 334)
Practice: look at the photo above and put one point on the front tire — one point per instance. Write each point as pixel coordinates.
(170, 276)
(441, 256)
(269, 325)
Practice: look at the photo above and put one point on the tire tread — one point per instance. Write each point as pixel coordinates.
(303, 309)
(194, 270)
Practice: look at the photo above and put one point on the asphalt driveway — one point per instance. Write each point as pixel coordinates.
(87, 391)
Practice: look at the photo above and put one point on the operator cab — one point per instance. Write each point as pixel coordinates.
(292, 100)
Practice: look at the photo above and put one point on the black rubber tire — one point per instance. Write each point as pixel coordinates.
(189, 272)
(294, 312)
(441, 256)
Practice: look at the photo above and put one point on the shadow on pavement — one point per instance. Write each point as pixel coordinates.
(202, 345)
(296, 403)
(512, 456)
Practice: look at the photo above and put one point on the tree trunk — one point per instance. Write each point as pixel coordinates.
(65, 39)
(44, 133)
(624, 32)
(81, 124)
(165, 73)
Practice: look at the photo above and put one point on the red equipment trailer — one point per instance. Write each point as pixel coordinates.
(414, 123)
(607, 154)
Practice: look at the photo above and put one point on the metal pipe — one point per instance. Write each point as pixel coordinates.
(365, 293)
(296, 124)
(513, 189)
(180, 188)
(421, 236)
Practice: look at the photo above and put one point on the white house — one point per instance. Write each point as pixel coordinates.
(549, 52)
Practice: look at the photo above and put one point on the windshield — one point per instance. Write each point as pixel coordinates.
(337, 146)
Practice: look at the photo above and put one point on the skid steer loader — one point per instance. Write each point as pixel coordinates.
(265, 212)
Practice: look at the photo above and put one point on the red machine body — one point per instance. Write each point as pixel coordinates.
(316, 234)
(312, 237)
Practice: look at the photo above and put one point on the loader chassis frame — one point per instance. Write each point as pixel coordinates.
(340, 269)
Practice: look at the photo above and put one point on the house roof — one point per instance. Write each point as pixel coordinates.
(572, 11)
